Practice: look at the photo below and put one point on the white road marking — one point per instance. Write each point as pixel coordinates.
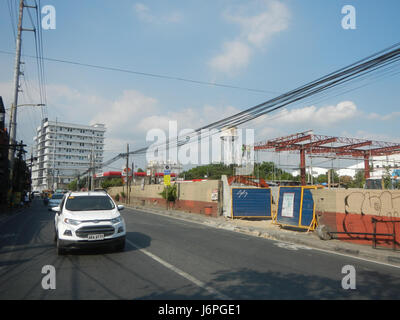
(359, 258)
(291, 246)
(180, 272)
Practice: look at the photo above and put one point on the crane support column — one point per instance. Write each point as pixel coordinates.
(303, 166)
(366, 166)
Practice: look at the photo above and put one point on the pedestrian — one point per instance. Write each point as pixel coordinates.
(26, 200)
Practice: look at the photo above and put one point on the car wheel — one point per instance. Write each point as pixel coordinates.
(60, 249)
(120, 246)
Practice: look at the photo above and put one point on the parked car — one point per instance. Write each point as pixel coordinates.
(88, 219)
(55, 200)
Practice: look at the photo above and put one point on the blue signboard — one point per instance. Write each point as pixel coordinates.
(296, 207)
(251, 203)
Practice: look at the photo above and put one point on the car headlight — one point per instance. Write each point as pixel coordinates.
(72, 221)
(116, 220)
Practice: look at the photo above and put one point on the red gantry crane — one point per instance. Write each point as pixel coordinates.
(325, 146)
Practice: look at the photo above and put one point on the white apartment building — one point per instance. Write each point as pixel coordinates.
(64, 151)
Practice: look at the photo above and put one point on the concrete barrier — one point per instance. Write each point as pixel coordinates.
(196, 197)
(348, 213)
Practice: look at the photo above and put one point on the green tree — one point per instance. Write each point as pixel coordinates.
(212, 171)
(73, 185)
(387, 179)
(169, 193)
(359, 180)
(346, 181)
(322, 178)
(269, 171)
(114, 182)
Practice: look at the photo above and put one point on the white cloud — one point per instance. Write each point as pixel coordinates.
(368, 135)
(314, 116)
(385, 117)
(123, 115)
(143, 12)
(128, 117)
(235, 56)
(255, 32)
(258, 29)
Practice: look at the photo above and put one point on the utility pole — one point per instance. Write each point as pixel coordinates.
(127, 172)
(130, 183)
(13, 115)
(91, 172)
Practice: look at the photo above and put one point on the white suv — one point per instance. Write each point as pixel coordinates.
(87, 219)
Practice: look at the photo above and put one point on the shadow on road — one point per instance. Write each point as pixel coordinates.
(141, 240)
(248, 284)
(26, 228)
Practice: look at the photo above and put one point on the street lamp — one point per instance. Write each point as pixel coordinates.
(31, 105)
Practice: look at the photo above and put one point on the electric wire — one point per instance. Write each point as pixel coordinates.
(285, 99)
(153, 75)
(343, 76)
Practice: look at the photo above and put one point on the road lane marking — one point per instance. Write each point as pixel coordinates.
(183, 274)
(359, 258)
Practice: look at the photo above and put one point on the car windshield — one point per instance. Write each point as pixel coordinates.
(87, 203)
(57, 196)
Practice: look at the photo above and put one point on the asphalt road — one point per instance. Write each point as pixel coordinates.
(167, 258)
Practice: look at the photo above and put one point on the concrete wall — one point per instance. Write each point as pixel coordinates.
(192, 196)
(352, 210)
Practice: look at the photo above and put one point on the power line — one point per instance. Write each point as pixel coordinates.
(12, 19)
(343, 76)
(147, 74)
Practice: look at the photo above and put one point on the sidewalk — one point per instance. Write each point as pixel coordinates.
(265, 229)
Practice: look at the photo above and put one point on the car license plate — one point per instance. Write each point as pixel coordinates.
(95, 236)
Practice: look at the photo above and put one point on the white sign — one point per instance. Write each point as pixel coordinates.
(214, 195)
(288, 205)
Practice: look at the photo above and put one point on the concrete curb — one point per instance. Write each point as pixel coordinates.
(306, 239)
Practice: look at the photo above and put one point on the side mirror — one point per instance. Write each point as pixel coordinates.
(120, 207)
(56, 209)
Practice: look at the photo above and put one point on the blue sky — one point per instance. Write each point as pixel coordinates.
(271, 45)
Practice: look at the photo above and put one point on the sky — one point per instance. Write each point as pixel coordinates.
(263, 48)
